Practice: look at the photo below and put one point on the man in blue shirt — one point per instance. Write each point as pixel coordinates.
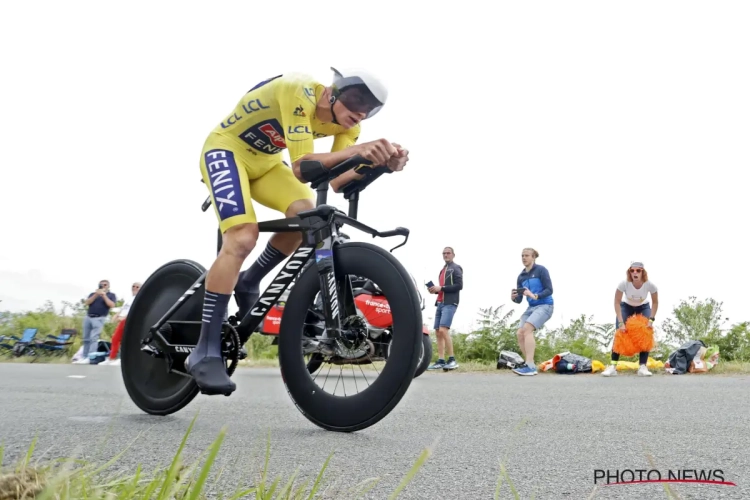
(535, 284)
(99, 302)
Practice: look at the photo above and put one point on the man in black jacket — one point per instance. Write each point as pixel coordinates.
(451, 282)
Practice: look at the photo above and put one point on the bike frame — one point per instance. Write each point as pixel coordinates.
(320, 234)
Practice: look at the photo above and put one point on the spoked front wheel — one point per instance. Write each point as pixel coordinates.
(353, 412)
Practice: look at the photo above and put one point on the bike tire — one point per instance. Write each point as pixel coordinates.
(353, 413)
(426, 358)
(149, 385)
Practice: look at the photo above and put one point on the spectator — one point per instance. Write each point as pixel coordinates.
(447, 303)
(119, 319)
(535, 284)
(99, 302)
(630, 299)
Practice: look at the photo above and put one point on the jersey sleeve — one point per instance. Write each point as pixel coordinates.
(346, 139)
(295, 111)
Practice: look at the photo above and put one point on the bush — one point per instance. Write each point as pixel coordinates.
(691, 319)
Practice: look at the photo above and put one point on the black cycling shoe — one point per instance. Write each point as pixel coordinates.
(245, 301)
(210, 373)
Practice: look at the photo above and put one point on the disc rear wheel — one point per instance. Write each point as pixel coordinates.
(147, 379)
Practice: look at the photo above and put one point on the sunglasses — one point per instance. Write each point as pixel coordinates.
(636, 270)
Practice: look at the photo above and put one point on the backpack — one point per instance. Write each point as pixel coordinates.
(509, 359)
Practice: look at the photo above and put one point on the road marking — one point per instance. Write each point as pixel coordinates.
(99, 419)
(76, 376)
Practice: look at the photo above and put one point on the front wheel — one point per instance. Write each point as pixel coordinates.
(353, 412)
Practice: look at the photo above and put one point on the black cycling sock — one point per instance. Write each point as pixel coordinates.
(214, 308)
(249, 280)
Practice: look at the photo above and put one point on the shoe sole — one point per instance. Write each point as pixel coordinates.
(526, 374)
(449, 369)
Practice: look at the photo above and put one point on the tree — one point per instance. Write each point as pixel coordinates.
(694, 320)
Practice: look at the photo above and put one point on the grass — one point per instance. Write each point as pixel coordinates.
(723, 368)
(68, 479)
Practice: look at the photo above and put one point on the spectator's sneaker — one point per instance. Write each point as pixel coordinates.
(525, 370)
(439, 365)
(106, 362)
(450, 365)
(84, 361)
(611, 371)
(643, 371)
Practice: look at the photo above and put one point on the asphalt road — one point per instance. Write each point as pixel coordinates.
(553, 431)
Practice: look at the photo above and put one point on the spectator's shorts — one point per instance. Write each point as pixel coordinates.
(444, 315)
(537, 315)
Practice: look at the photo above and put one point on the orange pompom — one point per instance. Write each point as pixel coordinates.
(637, 337)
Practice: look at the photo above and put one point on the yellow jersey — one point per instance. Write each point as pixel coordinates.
(279, 113)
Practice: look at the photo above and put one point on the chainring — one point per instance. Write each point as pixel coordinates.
(230, 347)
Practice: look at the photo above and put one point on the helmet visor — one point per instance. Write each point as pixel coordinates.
(358, 99)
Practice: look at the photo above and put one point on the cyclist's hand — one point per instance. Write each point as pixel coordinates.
(398, 161)
(378, 152)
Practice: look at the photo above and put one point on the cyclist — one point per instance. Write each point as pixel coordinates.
(242, 159)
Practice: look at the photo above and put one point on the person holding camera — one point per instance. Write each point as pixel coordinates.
(99, 302)
(535, 284)
(119, 320)
(451, 283)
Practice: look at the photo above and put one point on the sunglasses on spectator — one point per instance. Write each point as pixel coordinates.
(636, 270)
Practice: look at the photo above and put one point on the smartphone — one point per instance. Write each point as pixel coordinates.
(429, 284)
(519, 291)
(100, 286)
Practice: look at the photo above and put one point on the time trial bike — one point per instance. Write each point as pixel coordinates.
(165, 318)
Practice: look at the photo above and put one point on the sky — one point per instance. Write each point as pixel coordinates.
(597, 133)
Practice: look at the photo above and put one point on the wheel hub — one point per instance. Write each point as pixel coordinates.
(353, 332)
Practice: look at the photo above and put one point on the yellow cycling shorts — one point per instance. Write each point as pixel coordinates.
(235, 176)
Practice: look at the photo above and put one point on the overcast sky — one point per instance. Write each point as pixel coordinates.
(596, 132)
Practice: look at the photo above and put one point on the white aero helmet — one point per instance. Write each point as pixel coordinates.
(359, 91)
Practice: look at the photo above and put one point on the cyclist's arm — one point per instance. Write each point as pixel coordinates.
(341, 142)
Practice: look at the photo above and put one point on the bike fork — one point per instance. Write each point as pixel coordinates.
(328, 287)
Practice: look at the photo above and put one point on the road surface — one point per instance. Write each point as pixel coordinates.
(553, 431)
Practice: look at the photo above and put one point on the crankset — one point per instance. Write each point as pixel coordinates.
(231, 349)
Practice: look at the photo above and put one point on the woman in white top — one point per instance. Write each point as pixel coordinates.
(631, 297)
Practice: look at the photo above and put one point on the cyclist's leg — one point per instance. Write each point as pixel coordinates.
(224, 172)
(280, 190)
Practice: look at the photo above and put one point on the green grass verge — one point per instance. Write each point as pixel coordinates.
(68, 479)
(723, 368)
